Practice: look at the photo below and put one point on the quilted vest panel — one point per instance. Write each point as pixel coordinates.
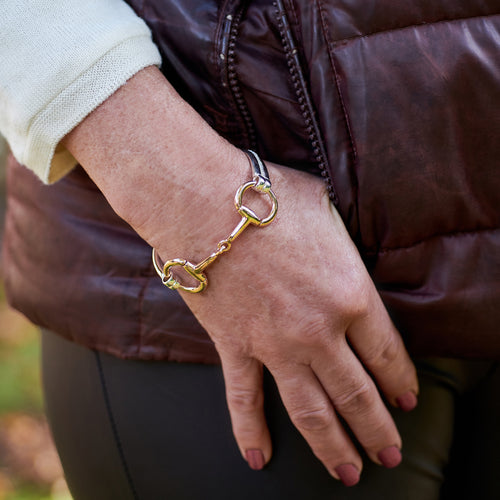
(395, 104)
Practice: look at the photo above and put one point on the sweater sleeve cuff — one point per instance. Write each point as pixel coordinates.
(79, 99)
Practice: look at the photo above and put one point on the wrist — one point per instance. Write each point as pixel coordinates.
(260, 184)
(161, 167)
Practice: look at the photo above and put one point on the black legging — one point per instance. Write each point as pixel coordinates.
(154, 431)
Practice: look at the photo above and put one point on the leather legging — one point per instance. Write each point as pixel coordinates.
(153, 431)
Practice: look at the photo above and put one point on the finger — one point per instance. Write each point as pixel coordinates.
(381, 349)
(356, 398)
(245, 399)
(313, 415)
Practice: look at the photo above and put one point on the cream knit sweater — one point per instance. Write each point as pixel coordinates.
(60, 59)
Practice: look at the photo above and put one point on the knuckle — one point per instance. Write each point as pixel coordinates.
(313, 419)
(313, 331)
(357, 290)
(379, 435)
(356, 301)
(383, 353)
(243, 400)
(355, 399)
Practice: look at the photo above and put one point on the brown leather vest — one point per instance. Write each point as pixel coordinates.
(396, 104)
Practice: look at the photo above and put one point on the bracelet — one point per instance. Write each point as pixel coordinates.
(259, 183)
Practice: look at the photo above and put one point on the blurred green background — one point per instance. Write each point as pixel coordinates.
(29, 466)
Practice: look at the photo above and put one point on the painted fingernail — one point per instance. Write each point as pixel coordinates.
(348, 474)
(408, 401)
(255, 459)
(390, 457)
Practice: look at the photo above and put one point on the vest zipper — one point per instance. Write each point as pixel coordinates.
(303, 97)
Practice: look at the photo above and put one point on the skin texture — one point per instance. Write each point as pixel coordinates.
(293, 296)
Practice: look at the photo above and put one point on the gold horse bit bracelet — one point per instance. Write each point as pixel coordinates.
(260, 183)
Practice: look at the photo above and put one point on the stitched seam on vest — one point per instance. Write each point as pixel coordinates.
(422, 24)
(453, 234)
(274, 96)
(297, 20)
(231, 72)
(114, 427)
(354, 155)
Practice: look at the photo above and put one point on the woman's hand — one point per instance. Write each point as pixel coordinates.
(293, 296)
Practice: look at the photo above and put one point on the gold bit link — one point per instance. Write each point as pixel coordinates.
(260, 184)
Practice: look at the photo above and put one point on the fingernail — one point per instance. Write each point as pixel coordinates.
(348, 474)
(255, 459)
(390, 457)
(407, 401)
